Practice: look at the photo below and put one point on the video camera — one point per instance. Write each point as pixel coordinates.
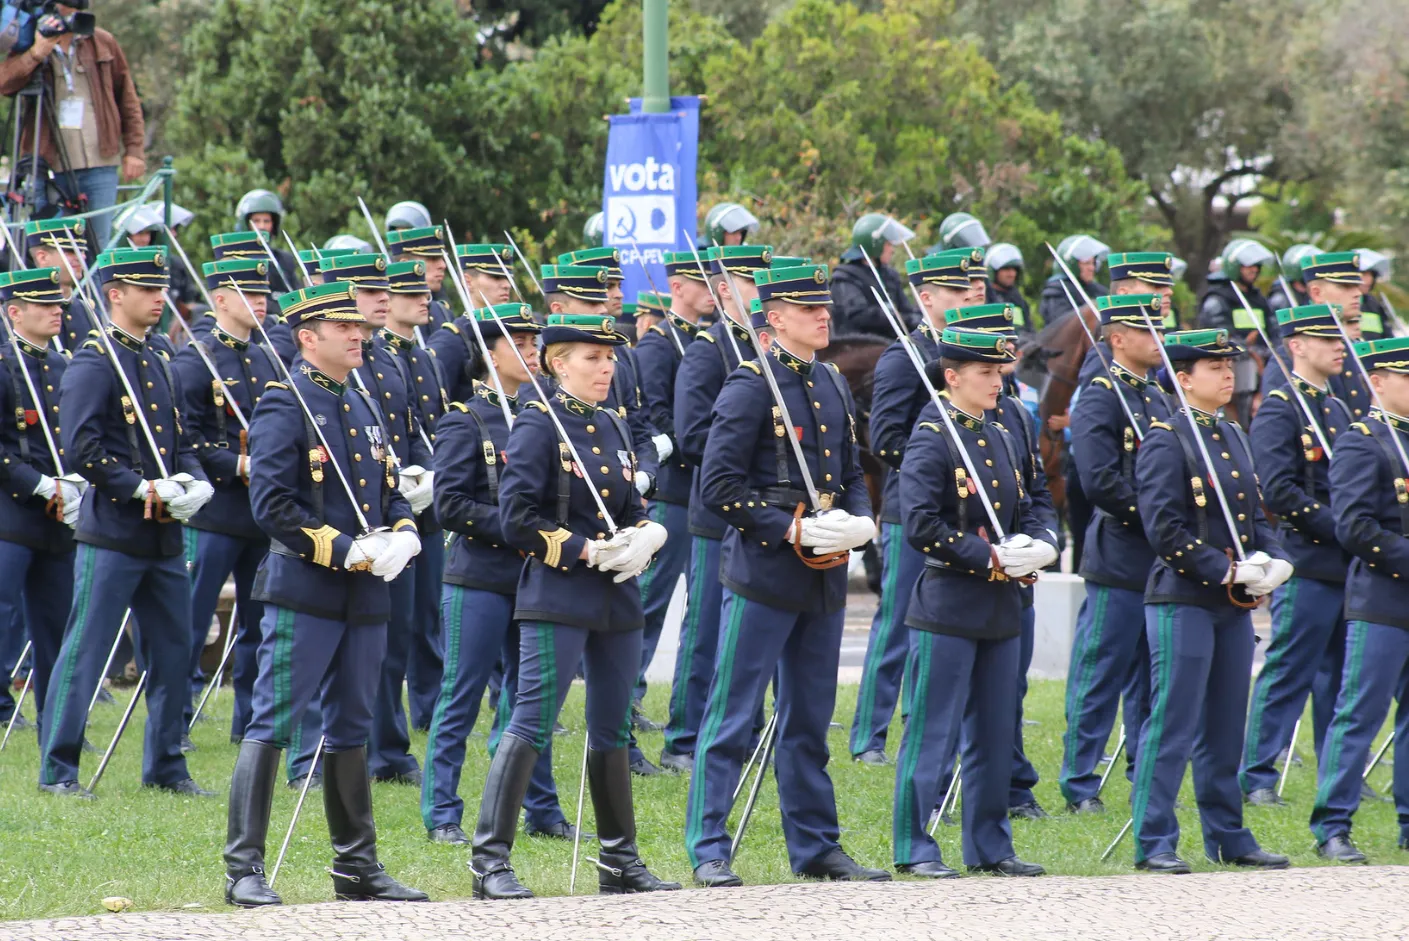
(21, 19)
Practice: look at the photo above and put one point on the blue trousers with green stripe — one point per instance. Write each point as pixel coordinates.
(1109, 654)
(1306, 621)
(755, 638)
(658, 582)
(389, 750)
(426, 658)
(699, 641)
(1200, 669)
(954, 682)
(106, 584)
(302, 656)
(548, 657)
(888, 643)
(477, 625)
(213, 557)
(1376, 667)
(37, 591)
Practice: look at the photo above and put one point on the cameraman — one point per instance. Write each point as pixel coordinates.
(90, 98)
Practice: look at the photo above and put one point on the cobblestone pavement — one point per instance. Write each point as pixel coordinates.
(1341, 903)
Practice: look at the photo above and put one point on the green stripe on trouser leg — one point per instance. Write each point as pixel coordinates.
(1335, 736)
(78, 624)
(714, 717)
(282, 673)
(912, 743)
(885, 622)
(1271, 671)
(453, 617)
(1147, 754)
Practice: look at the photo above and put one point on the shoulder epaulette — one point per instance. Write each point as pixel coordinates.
(1280, 394)
(708, 336)
(1363, 428)
(426, 350)
(534, 403)
(280, 318)
(460, 405)
(95, 333)
(1103, 382)
(164, 355)
(274, 384)
(1159, 424)
(835, 368)
(932, 427)
(451, 327)
(655, 328)
(750, 364)
(93, 343)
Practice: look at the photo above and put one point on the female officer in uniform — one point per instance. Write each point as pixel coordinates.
(1197, 610)
(966, 610)
(577, 599)
(481, 573)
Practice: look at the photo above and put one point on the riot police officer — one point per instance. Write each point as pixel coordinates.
(853, 305)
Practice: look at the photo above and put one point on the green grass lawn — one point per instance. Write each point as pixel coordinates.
(62, 857)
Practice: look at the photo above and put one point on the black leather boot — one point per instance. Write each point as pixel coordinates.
(619, 867)
(499, 807)
(347, 800)
(251, 793)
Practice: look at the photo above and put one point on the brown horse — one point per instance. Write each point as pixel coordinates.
(1062, 347)
(855, 355)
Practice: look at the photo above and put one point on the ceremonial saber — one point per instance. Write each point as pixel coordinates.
(1389, 309)
(24, 652)
(121, 727)
(757, 749)
(273, 259)
(1256, 316)
(1378, 755)
(19, 703)
(20, 260)
(581, 800)
(1291, 750)
(107, 664)
(949, 792)
(214, 685)
(1110, 370)
(1118, 837)
(298, 808)
(738, 301)
(526, 267)
(1119, 748)
(771, 740)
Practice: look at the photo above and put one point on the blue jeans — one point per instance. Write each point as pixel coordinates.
(100, 185)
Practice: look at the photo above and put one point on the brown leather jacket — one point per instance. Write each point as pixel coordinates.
(118, 109)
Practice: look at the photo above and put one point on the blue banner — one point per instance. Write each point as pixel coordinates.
(648, 195)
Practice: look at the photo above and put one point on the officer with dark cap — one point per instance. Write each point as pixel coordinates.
(651, 309)
(383, 376)
(854, 307)
(780, 609)
(1334, 278)
(965, 614)
(701, 375)
(130, 552)
(425, 244)
(1132, 273)
(1368, 504)
(408, 311)
(223, 539)
(454, 344)
(1109, 654)
(245, 246)
(577, 601)
(481, 577)
(323, 487)
(39, 497)
(59, 244)
(1197, 610)
(1308, 623)
(944, 281)
(262, 211)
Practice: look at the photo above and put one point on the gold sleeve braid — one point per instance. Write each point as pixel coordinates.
(553, 542)
(322, 539)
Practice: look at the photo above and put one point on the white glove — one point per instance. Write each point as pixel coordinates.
(1024, 560)
(1245, 573)
(650, 536)
(197, 494)
(614, 551)
(1278, 571)
(417, 488)
(72, 489)
(842, 532)
(47, 487)
(402, 546)
(242, 466)
(595, 550)
(812, 534)
(663, 445)
(365, 550)
(1017, 541)
(643, 482)
(167, 489)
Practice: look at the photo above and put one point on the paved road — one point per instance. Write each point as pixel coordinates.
(1354, 904)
